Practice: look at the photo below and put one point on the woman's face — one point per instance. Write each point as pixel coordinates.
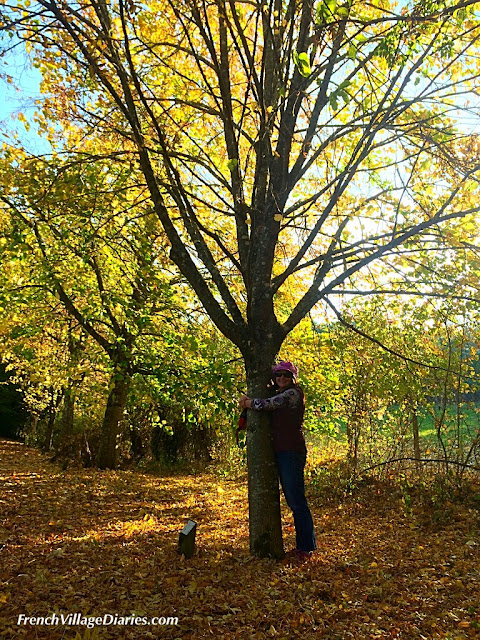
(284, 379)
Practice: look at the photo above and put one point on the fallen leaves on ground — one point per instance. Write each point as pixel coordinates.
(94, 543)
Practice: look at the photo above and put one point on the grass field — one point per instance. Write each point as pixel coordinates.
(453, 433)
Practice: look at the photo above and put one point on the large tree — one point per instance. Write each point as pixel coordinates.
(285, 146)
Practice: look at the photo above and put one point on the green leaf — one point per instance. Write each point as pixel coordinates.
(302, 62)
(352, 52)
(232, 163)
(325, 10)
(340, 92)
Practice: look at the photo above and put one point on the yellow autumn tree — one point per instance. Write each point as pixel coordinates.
(283, 145)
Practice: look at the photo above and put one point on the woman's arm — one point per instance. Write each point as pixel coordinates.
(288, 398)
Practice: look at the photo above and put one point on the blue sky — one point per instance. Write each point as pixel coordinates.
(19, 96)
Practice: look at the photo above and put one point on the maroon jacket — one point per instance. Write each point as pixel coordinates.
(288, 409)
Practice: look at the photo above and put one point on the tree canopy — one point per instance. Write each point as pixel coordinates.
(288, 149)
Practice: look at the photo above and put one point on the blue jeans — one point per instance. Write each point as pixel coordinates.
(290, 466)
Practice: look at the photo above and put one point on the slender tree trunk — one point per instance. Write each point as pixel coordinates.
(32, 427)
(263, 490)
(416, 441)
(107, 455)
(76, 346)
(47, 443)
(52, 414)
(353, 436)
(68, 412)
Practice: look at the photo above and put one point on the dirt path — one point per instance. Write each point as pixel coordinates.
(83, 543)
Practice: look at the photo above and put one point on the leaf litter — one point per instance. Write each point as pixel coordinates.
(104, 542)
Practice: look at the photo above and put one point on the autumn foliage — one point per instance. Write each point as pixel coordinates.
(243, 162)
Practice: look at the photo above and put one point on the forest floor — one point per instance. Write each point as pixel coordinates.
(83, 543)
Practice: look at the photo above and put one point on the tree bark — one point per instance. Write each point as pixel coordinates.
(47, 443)
(265, 521)
(107, 455)
(416, 441)
(52, 414)
(68, 412)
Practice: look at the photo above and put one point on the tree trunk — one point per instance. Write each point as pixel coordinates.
(68, 412)
(52, 414)
(31, 430)
(416, 440)
(265, 521)
(117, 399)
(47, 442)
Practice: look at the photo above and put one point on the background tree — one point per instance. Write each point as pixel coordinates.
(284, 147)
(188, 405)
(91, 244)
(400, 376)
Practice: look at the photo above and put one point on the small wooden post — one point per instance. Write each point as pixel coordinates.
(186, 541)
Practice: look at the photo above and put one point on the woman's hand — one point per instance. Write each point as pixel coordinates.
(245, 402)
